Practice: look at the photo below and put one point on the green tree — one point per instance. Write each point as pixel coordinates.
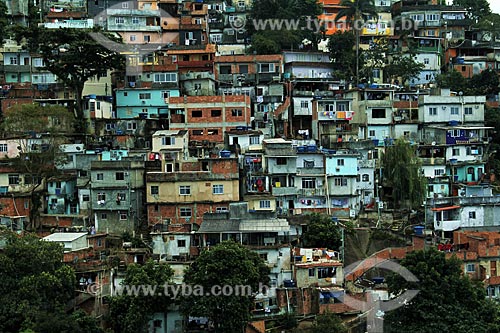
(356, 12)
(74, 57)
(452, 80)
(322, 232)
(131, 314)
(476, 9)
(226, 264)
(401, 173)
(404, 67)
(341, 46)
(485, 83)
(328, 322)
(50, 123)
(447, 300)
(286, 36)
(36, 288)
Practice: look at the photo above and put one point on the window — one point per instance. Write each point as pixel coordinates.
(181, 243)
(215, 113)
(3, 148)
(468, 110)
(154, 189)
(438, 172)
(123, 216)
(100, 176)
(304, 104)
(472, 215)
(196, 113)
(266, 68)
(340, 162)
(218, 189)
(13, 179)
(371, 133)
(147, 38)
(104, 216)
(324, 273)
(433, 111)
(366, 177)
(101, 196)
(121, 197)
(426, 61)
(145, 96)
(236, 112)
(454, 133)
(185, 212)
(378, 113)
(168, 141)
(456, 152)
(254, 140)
(197, 132)
(470, 268)
(13, 60)
(281, 161)
(119, 20)
(124, 5)
(131, 125)
(330, 107)
(220, 209)
(213, 132)
(165, 77)
(243, 69)
(308, 164)
(454, 110)
(184, 190)
(312, 272)
(120, 175)
(263, 204)
(135, 20)
(308, 183)
(338, 181)
(85, 198)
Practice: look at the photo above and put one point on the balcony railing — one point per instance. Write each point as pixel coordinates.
(309, 192)
(284, 190)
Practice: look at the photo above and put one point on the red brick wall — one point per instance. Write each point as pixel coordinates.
(14, 206)
(172, 212)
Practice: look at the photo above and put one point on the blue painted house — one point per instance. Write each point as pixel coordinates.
(145, 103)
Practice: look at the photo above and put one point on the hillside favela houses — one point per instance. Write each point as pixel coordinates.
(213, 141)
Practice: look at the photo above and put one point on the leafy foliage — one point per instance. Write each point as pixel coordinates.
(403, 66)
(226, 264)
(273, 40)
(129, 313)
(36, 286)
(74, 57)
(401, 172)
(476, 9)
(322, 232)
(485, 83)
(342, 54)
(356, 12)
(328, 322)
(447, 300)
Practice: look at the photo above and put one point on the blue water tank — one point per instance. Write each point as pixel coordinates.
(419, 230)
(225, 153)
(453, 122)
(301, 149)
(311, 148)
(460, 60)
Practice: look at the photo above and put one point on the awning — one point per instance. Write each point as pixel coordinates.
(440, 209)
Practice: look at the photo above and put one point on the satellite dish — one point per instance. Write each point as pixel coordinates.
(433, 143)
(486, 37)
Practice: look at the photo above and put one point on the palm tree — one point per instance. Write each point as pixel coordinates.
(357, 12)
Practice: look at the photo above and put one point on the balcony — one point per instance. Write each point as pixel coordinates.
(335, 115)
(133, 12)
(366, 163)
(195, 64)
(310, 192)
(432, 160)
(17, 68)
(134, 27)
(447, 225)
(284, 191)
